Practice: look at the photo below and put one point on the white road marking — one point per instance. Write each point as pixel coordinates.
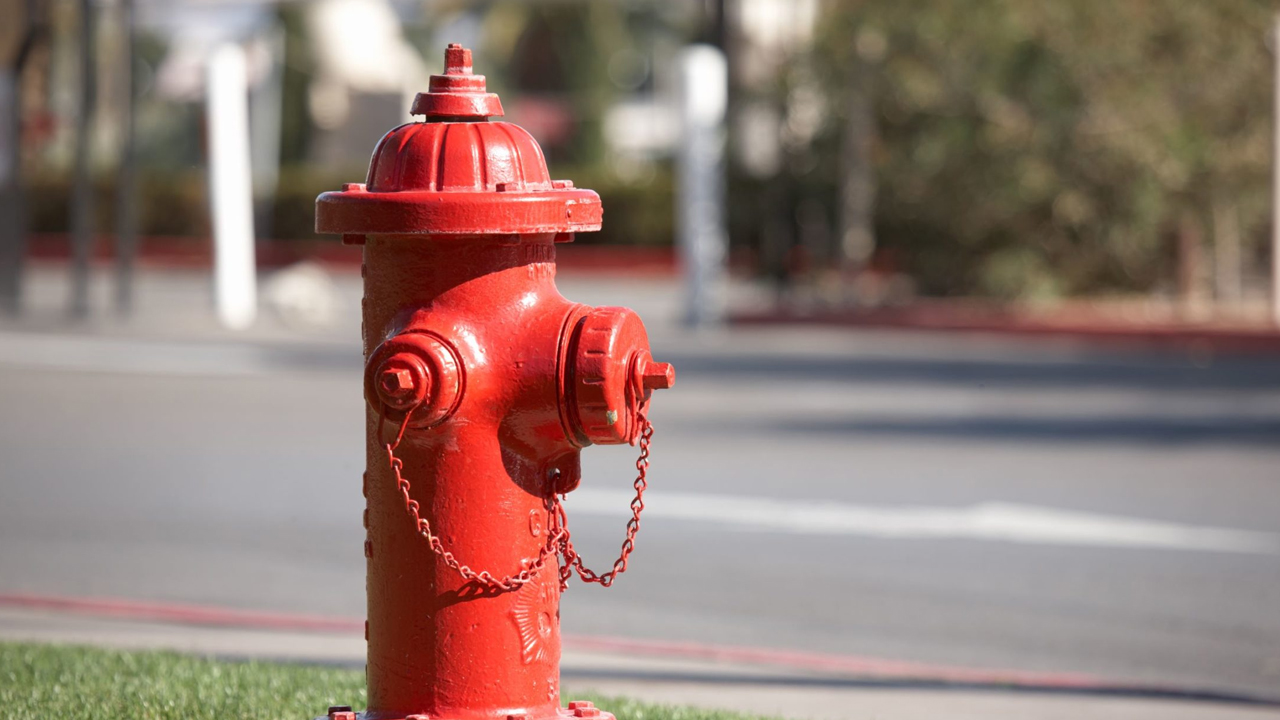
(1004, 522)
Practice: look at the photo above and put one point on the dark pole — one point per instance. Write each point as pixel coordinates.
(82, 194)
(720, 26)
(127, 190)
(13, 216)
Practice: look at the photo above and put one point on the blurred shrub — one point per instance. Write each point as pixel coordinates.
(175, 203)
(170, 203)
(635, 213)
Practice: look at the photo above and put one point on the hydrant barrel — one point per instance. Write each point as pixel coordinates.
(483, 384)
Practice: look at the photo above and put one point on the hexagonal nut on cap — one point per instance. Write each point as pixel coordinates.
(415, 373)
(648, 375)
(403, 381)
(657, 375)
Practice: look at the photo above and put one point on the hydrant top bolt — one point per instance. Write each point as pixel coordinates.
(459, 93)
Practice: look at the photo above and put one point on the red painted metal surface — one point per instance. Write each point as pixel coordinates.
(483, 385)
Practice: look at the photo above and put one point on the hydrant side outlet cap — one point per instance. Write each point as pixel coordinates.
(457, 173)
(610, 355)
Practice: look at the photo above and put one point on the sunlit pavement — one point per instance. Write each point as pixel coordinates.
(982, 503)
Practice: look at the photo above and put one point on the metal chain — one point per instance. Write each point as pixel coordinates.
(558, 541)
(574, 560)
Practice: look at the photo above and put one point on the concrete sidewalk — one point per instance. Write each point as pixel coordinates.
(755, 689)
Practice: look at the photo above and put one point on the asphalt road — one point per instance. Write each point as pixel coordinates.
(983, 503)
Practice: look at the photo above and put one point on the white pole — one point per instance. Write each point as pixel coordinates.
(1275, 182)
(231, 188)
(700, 231)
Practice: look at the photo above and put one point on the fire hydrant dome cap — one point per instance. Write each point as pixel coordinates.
(457, 173)
(458, 157)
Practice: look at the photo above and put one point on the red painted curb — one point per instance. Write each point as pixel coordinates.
(849, 665)
(182, 614)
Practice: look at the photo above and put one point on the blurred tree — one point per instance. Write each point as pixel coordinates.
(1041, 149)
(299, 66)
(19, 36)
(558, 66)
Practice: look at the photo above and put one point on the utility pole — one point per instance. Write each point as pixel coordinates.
(13, 216)
(700, 230)
(1275, 181)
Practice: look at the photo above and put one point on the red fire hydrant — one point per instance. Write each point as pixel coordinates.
(483, 385)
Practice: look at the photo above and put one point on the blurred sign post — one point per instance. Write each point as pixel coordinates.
(82, 186)
(231, 188)
(12, 225)
(700, 232)
(1275, 184)
(127, 189)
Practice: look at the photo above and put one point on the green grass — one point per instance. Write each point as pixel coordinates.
(40, 682)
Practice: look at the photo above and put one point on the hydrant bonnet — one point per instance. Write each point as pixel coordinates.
(457, 173)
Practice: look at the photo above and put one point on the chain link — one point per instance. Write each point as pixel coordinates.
(558, 542)
(574, 560)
